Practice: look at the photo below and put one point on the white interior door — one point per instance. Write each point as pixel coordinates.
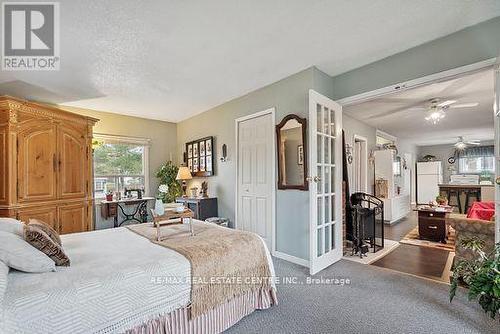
(255, 176)
(325, 166)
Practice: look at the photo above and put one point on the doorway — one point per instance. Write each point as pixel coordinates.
(463, 100)
(255, 175)
(360, 164)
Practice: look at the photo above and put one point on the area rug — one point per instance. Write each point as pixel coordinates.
(412, 238)
(389, 246)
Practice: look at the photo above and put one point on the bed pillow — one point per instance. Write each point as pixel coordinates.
(20, 255)
(4, 273)
(11, 225)
(35, 235)
(47, 229)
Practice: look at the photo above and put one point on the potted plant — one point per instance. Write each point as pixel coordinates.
(167, 174)
(480, 275)
(442, 200)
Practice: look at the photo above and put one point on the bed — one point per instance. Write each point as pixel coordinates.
(118, 281)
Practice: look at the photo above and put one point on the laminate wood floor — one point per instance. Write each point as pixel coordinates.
(420, 261)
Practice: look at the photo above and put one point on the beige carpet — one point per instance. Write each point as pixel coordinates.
(412, 238)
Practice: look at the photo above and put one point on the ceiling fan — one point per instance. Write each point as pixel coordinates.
(461, 144)
(435, 109)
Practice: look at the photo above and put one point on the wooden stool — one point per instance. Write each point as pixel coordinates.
(471, 193)
(456, 194)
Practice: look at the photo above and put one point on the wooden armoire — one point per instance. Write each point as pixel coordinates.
(46, 165)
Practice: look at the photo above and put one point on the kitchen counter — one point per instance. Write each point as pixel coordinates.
(486, 193)
(454, 185)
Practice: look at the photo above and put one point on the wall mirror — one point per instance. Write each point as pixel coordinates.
(292, 153)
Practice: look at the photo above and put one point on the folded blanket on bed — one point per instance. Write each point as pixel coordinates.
(225, 263)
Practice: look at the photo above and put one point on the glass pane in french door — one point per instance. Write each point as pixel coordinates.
(325, 168)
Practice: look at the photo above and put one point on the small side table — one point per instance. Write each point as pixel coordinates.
(169, 218)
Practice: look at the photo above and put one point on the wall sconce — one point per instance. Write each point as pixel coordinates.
(224, 153)
(348, 152)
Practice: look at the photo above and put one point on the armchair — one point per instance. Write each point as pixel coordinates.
(468, 228)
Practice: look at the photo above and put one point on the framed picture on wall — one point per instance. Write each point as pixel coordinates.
(195, 165)
(202, 156)
(209, 163)
(208, 147)
(202, 148)
(202, 164)
(195, 149)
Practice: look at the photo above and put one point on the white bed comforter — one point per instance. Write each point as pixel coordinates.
(107, 289)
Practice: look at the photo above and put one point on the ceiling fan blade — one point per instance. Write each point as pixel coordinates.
(446, 103)
(464, 105)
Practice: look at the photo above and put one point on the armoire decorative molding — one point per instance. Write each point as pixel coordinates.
(46, 165)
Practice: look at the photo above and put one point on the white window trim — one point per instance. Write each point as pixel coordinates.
(146, 142)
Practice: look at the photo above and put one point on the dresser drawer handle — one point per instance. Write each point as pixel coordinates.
(433, 227)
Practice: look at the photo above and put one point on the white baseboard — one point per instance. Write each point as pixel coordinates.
(291, 258)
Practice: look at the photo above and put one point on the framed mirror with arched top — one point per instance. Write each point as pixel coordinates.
(292, 153)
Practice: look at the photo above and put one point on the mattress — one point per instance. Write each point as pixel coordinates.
(117, 280)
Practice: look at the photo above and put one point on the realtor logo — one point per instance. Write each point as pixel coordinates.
(30, 36)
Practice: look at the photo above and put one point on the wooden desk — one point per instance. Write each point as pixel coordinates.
(432, 223)
(110, 209)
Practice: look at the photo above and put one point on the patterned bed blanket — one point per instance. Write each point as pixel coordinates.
(111, 286)
(225, 263)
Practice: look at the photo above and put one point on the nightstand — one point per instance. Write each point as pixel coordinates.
(202, 208)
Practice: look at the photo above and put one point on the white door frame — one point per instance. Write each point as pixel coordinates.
(496, 120)
(272, 112)
(492, 63)
(364, 157)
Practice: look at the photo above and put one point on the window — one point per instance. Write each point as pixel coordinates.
(119, 163)
(476, 160)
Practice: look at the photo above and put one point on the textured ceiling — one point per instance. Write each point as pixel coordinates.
(170, 60)
(401, 114)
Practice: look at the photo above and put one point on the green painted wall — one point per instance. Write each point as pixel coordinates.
(288, 96)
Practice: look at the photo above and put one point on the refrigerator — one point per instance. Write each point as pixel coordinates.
(429, 176)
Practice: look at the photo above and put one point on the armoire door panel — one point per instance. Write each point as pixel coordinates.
(37, 162)
(72, 163)
(46, 214)
(73, 218)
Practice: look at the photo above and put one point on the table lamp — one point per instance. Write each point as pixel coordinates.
(184, 174)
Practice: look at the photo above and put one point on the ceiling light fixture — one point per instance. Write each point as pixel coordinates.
(435, 115)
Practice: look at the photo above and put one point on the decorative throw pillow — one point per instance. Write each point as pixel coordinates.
(11, 225)
(4, 273)
(47, 229)
(37, 238)
(18, 254)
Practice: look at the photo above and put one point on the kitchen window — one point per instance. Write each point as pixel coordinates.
(119, 163)
(477, 160)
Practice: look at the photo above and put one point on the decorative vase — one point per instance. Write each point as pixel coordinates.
(159, 208)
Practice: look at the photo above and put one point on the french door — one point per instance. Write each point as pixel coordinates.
(325, 165)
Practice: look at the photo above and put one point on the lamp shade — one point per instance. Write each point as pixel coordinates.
(184, 174)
